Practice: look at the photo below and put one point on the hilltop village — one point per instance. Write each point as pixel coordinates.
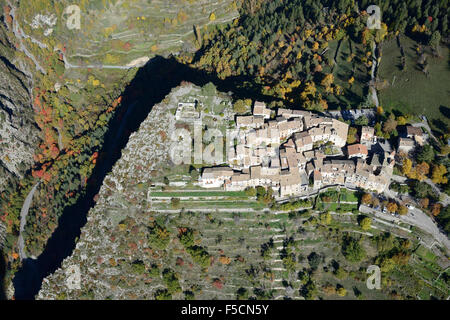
(298, 152)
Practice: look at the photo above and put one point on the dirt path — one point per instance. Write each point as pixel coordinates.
(373, 91)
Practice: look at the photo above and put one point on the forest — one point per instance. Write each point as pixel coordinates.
(282, 45)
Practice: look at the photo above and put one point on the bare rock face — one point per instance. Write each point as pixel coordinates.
(146, 150)
(18, 132)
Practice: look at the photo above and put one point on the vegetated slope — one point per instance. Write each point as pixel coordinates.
(137, 247)
(71, 107)
(119, 32)
(286, 46)
(421, 85)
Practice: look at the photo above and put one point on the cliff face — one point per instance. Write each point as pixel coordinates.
(18, 132)
(117, 255)
(122, 196)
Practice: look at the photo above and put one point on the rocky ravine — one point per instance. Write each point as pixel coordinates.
(18, 131)
(146, 150)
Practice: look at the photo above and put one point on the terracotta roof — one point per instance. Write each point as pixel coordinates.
(355, 149)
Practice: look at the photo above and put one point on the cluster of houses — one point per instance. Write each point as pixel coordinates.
(413, 136)
(284, 152)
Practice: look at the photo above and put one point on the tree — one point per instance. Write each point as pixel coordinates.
(240, 106)
(444, 219)
(328, 80)
(380, 110)
(422, 190)
(242, 294)
(435, 39)
(378, 131)
(351, 137)
(138, 267)
(438, 175)
(325, 218)
(365, 223)
(250, 191)
(406, 167)
(390, 125)
(362, 121)
(366, 198)
(436, 209)
(353, 250)
(401, 120)
(314, 260)
(426, 154)
(170, 279)
(392, 207)
(175, 203)
(163, 294)
(424, 202)
(341, 291)
(309, 290)
(422, 170)
(158, 237)
(194, 174)
(445, 150)
(375, 202)
(402, 210)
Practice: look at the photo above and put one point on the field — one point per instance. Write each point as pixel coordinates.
(118, 32)
(335, 200)
(348, 63)
(411, 91)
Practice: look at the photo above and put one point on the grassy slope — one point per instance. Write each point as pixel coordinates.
(412, 91)
(117, 32)
(342, 72)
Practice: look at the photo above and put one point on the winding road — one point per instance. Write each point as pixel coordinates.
(20, 35)
(23, 219)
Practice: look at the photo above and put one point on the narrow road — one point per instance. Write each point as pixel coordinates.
(140, 62)
(60, 143)
(416, 218)
(23, 219)
(20, 35)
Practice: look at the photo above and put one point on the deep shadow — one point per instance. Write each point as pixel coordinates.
(150, 86)
(2, 276)
(440, 125)
(445, 111)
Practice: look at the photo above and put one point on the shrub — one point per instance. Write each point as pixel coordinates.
(171, 281)
(365, 223)
(353, 250)
(158, 237)
(200, 256)
(163, 294)
(138, 267)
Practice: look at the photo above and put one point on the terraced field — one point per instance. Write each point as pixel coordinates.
(119, 32)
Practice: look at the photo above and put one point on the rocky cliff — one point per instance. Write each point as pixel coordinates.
(18, 131)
